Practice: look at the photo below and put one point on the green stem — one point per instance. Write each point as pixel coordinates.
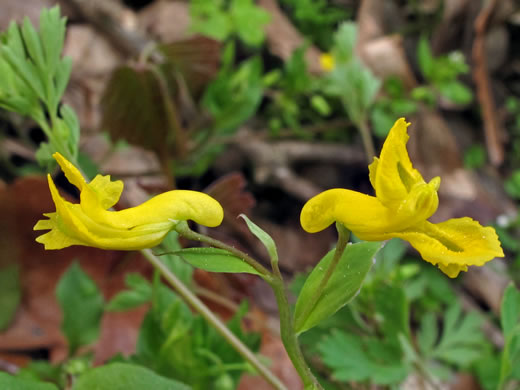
(289, 337)
(343, 237)
(366, 137)
(211, 318)
(275, 280)
(184, 230)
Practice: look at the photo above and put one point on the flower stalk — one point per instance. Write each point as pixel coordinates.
(275, 280)
(192, 300)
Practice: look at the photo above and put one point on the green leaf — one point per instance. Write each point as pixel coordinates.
(141, 292)
(82, 305)
(8, 382)
(355, 85)
(510, 310)
(265, 238)
(249, 21)
(428, 333)
(425, 58)
(215, 260)
(43, 371)
(52, 32)
(349, 360)
(183, 270)
(475, 157)
(234, 96)
(320, 104)
(456, 92)
(345, 42)
(10, 294)
(208, 18)
(462, 341)
(33, 44)
(120, 376)
(344, 284)
(392, 307)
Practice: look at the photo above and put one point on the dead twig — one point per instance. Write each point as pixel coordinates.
(273, 161)
(492, 126)
(117, 22)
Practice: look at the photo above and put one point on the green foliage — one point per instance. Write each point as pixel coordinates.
(8, 382)
(82, 306)
(215, 260)
(10, 294)
(295, 96)
(182, 269)
(316, 19)
(140, 292)
(43, 371)
(178, 344)
(353, 359)
(370, 340)
(220, 19)
(235, 94)
(394, 105)
(475, 157)
(344, 284)
(461, 342)
(350, 80)
(442, 73)
(512, 185)
(510, 321)
(33, 78)
(119, 376)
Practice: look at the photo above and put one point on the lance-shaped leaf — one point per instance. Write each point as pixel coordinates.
(215, 260)
(263, 236)
(344, 284)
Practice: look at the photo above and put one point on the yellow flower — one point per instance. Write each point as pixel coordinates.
(327, 62)
(401, 207)
(90, 222)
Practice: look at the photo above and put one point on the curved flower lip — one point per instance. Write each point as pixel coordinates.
(90, 222)
(401, 207)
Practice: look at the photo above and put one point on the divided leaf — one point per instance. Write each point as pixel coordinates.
(350, 360)
(461, 341)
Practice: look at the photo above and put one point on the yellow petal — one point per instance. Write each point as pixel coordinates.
(364, 215)
(107, 191)
(454, 244)
(179, 205)
(393, 175)
(55, 239)
(71, 172)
